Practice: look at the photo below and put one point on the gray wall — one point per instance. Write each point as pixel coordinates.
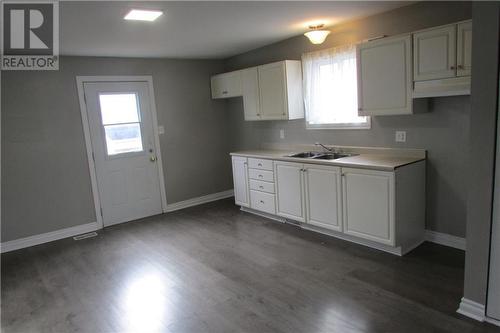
(45, 176)
(444, 131)
(483, 119)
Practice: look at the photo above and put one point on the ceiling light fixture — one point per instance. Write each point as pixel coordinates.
(143, 15)
(317, 35)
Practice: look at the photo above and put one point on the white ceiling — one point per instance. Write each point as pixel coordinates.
(191, 29)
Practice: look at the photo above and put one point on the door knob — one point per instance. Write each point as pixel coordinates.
(153, 158)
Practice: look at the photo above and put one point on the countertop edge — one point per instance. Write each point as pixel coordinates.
(336, 163)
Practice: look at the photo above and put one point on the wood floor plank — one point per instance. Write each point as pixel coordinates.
(213, 268)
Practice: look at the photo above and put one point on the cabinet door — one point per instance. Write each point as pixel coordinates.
(323, 196)
(434, 53)
(289, 190)
(250, 89)
(272, 90)
(226, 85)
(240, 180)
(464, 48)
(384, 77)
(368, 204)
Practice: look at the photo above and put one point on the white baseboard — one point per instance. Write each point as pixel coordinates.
(263, 214)
(492, 321)
(93, 226)
(445, 239)
(48, 237)
(471, 309)
(199, 200)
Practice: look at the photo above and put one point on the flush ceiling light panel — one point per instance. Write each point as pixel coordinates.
(143, 15)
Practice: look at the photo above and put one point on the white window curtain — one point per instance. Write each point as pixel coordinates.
(330, 89)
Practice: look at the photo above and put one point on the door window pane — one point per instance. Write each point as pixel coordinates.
(118, 108)
(124, 138)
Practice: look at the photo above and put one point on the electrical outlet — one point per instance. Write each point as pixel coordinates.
(282, 133)
(161, 129)
(400, 136)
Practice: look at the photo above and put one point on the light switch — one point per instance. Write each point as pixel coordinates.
(282, 133)
(161, 129)
(400, 136)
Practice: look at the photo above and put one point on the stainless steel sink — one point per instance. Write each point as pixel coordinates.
(320, 156)
(332, 156)
(306, 154)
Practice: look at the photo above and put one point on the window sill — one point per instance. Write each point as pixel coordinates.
(339, 126)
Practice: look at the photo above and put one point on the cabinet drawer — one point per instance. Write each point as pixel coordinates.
(257, 163)
(262, 186)
(257, 174)
(262, 201)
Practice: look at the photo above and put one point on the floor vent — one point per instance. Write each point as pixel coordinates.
(87, 235)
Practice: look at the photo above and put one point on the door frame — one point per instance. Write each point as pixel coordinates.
(80, 81)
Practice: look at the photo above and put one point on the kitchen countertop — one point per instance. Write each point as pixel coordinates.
(378, 161)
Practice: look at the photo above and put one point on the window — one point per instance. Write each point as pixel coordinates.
(330, 89)
(122, 124)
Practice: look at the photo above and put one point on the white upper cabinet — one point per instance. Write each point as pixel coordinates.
(250, 90)
(289, 190)
(323, 196)
(369, 204)
(240, 180)
(434, 53)
(226, 85)
(280, 89)
(385, 77)
(270, 92)
(442, 60)
(464, 48)
(272, 89)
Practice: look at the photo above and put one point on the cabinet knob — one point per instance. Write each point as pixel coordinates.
(260, 164)
(260, 186)
(224, 92)
(260, 176)
(460, 67)
(452, 67)
(261, 201)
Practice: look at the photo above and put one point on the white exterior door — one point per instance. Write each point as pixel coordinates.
(124, 151)
(289, 190)
(323, 196)
(240, 180)
(369, 204)
(435, 53)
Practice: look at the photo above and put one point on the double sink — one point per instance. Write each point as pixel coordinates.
(320, 156)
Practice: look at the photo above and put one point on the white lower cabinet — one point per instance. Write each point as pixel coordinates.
(240, 181)
(289, 190)
(368, 198)
(262, 201)
(322, 188)
(381, 209)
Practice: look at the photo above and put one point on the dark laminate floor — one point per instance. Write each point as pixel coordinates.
(213, 268)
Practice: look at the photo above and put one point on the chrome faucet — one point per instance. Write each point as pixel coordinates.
(331, 150)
